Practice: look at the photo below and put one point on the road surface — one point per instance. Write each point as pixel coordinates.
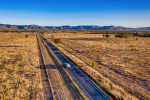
(91, 91)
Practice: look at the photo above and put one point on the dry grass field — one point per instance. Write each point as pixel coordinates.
(19, 67)
(125, 61)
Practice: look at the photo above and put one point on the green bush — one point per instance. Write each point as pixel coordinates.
(106, 35)
(134, 49)
(90, 63)
(146, 51)
(130, 61)
(131, 45)
(26, 36)
(42, 33)
(19, 32)
(122, 35)
(94, 50)
(94, 64)
(136, 38)
(57, 40)
(99, 51)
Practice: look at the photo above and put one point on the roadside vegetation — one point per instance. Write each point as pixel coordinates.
(121, 60)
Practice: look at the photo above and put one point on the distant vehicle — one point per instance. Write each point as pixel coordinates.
(67, 65)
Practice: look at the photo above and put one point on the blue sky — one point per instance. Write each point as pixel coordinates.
(127, 13)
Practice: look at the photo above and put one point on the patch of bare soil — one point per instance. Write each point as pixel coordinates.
(123, 60)
(19, 63)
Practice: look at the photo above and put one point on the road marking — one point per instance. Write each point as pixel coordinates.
(79, 84)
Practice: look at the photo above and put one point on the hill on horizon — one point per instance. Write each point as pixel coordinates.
(67, 27)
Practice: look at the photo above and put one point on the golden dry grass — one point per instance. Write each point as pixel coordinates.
(19, 63)
(127, 68)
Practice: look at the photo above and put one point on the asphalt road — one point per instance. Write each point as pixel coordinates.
(91, 91)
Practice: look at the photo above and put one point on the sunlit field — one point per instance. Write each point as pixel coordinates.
(125, 61)
(19, 67)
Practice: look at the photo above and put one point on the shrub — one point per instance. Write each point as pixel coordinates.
(57, 40)
(42, 33)
(94, 50)
(94, 64)
(146, 51)
(19, 32)
(134, 49)
(99, 51)
(130, 61)
(90, 63)
(26, 36)
(122, 35)
(136, 38)
(107, 35)
(138, 61)
(131, 45)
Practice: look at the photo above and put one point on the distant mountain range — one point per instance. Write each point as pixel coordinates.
(82, 27)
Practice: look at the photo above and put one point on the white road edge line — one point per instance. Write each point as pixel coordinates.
(79, 84)
(77, 81)
(93, 85)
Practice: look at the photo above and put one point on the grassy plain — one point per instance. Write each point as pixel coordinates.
(124, 61)
(19, 67)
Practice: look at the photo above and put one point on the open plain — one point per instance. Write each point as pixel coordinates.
(19, 67)
(125, 61)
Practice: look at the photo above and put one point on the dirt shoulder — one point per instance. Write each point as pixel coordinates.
(20, 76)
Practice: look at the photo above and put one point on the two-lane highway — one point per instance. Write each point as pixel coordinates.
(91, 91)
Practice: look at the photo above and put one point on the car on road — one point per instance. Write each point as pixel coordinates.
(67, 65)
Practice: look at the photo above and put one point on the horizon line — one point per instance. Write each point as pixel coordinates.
(72, 25)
